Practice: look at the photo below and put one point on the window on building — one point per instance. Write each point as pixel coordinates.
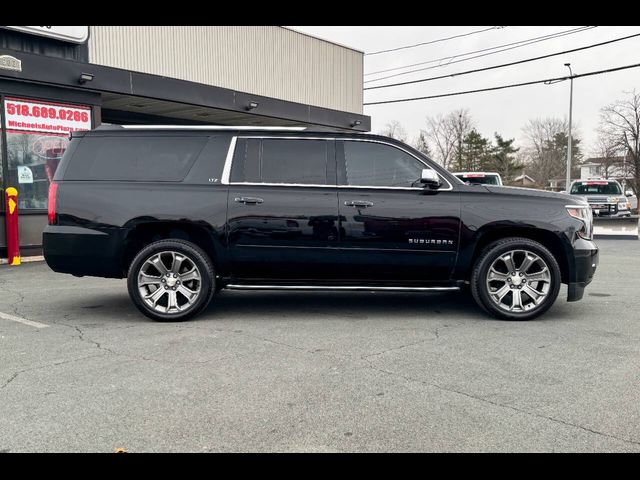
(37, 136)
(379, 165)
(33, 159)
(1, 154)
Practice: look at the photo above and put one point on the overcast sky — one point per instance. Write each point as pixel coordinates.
(503, 111)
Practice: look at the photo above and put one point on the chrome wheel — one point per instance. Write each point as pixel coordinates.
(518, 281)
(169, 282)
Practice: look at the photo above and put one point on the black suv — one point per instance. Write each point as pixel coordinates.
(183, 212)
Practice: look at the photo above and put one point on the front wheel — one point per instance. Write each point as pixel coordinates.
(171, 280)
(516, 279)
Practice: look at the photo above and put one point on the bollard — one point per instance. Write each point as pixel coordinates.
(11, 224)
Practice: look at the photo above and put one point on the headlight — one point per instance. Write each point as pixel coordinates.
(613, 199)
(585, 215)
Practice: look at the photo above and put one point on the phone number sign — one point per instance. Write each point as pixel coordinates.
(27, 115)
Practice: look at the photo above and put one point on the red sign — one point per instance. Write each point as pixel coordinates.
(50, 146)
(38, 116)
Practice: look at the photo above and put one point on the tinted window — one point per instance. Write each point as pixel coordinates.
(280, 161)
(596, 188)
(165, 159)
(483, 180)
(208, 169)
(379, 165)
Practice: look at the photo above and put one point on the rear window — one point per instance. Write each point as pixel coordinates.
(596, 188)
(152, 158)
(481, 179)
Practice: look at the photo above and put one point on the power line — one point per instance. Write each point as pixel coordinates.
(479, 56)
(518, 44)
(432, 41)
(526, 41)
(502, 65)
(501, 87)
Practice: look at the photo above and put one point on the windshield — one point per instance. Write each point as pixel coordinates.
(484, 179)
(596, 188)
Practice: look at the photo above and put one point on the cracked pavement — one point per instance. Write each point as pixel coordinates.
(318, 372)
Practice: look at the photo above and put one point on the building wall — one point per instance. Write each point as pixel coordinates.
(264, 60)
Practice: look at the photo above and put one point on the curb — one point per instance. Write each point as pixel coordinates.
(37, 258)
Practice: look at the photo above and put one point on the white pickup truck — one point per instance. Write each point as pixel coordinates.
(483, 178)
(605, 197)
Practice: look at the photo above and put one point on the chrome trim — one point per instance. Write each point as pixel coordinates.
(346, 249)
(210, 127)
(229, 161)
(226, 171)
(341, 288)
(267, 184)
(394, 188)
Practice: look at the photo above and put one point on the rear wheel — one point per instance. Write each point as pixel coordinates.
(171, 280)
(516, 279)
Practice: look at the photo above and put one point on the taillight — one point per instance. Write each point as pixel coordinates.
(51, 209)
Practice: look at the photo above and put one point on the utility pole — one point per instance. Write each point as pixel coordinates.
(460, 142)
(568, 180)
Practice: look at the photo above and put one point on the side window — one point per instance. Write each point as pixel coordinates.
(246, 161)
(134, 158)
(209, 166)
(280, 161)
(371, 164)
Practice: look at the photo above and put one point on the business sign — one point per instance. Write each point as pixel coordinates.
(66, 34)
(7, 62)
(32, 116)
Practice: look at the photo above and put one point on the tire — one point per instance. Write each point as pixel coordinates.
(180, 271)
(496, 284)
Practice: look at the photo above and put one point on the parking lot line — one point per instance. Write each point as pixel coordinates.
(31, 323)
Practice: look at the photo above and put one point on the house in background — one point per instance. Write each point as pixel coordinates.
(615, 168)
(524, 180)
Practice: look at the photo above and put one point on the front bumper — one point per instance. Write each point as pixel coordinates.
(586, 258)
(608, 210)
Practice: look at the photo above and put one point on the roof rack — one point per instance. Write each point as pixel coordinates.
(207, 127)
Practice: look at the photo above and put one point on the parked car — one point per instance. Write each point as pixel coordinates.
(605, 197)
(633, 201)
(183, 212)
(483, 178)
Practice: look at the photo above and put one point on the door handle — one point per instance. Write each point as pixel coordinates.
(249, 200)
(358, 203)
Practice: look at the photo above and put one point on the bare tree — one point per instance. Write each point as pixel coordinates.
(545, 151)
(608, 151)
(620, 124)
(445, 133)
(395, 130)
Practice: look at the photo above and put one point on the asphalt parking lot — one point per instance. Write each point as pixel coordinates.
(318, 372)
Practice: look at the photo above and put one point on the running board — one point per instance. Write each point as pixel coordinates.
(360, 288)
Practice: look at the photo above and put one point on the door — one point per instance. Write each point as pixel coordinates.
(394, 229)
(282, 209)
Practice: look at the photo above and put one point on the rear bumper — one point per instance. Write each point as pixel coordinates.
(81, 251)
(586, 258)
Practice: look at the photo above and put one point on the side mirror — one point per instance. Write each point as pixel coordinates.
(629, 193)
(430, 178)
